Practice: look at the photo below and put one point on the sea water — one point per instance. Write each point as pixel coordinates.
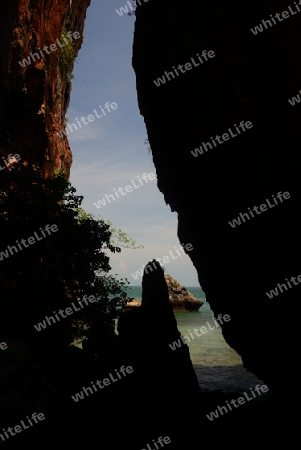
(216, 364)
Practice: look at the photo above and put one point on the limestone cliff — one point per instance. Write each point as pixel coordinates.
(250, 78)
(34, 98)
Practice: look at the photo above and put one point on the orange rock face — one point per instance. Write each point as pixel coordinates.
(34, 98)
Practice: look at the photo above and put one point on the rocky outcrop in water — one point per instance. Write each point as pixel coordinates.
(179, 297)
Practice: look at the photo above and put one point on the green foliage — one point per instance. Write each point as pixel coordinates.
(118, 237)
(58, 95)
(60, 268)
(67, 56)
(56, 172)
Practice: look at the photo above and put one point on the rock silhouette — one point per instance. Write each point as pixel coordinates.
(144, 334)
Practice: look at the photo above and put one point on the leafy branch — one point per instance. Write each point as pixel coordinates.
(118, 237)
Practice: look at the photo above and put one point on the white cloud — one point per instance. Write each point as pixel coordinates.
(86, 133)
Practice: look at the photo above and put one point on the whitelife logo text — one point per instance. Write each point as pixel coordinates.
(184, 68)
(31, 240)
(128, 188)
(203, 330)
(240, 400)
(259, 209)
(106, 382)
(24, 426)
(86, 119)
(166, 259)
(68, 311)
(280, 18)
(242, 127)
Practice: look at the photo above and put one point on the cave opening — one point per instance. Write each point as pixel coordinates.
(109, 152)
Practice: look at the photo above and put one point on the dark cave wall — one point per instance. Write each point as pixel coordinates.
(34, 99)
(251, 78)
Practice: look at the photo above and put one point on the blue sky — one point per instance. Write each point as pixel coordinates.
(110, 152)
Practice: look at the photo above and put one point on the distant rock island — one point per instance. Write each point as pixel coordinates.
(180, 298)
